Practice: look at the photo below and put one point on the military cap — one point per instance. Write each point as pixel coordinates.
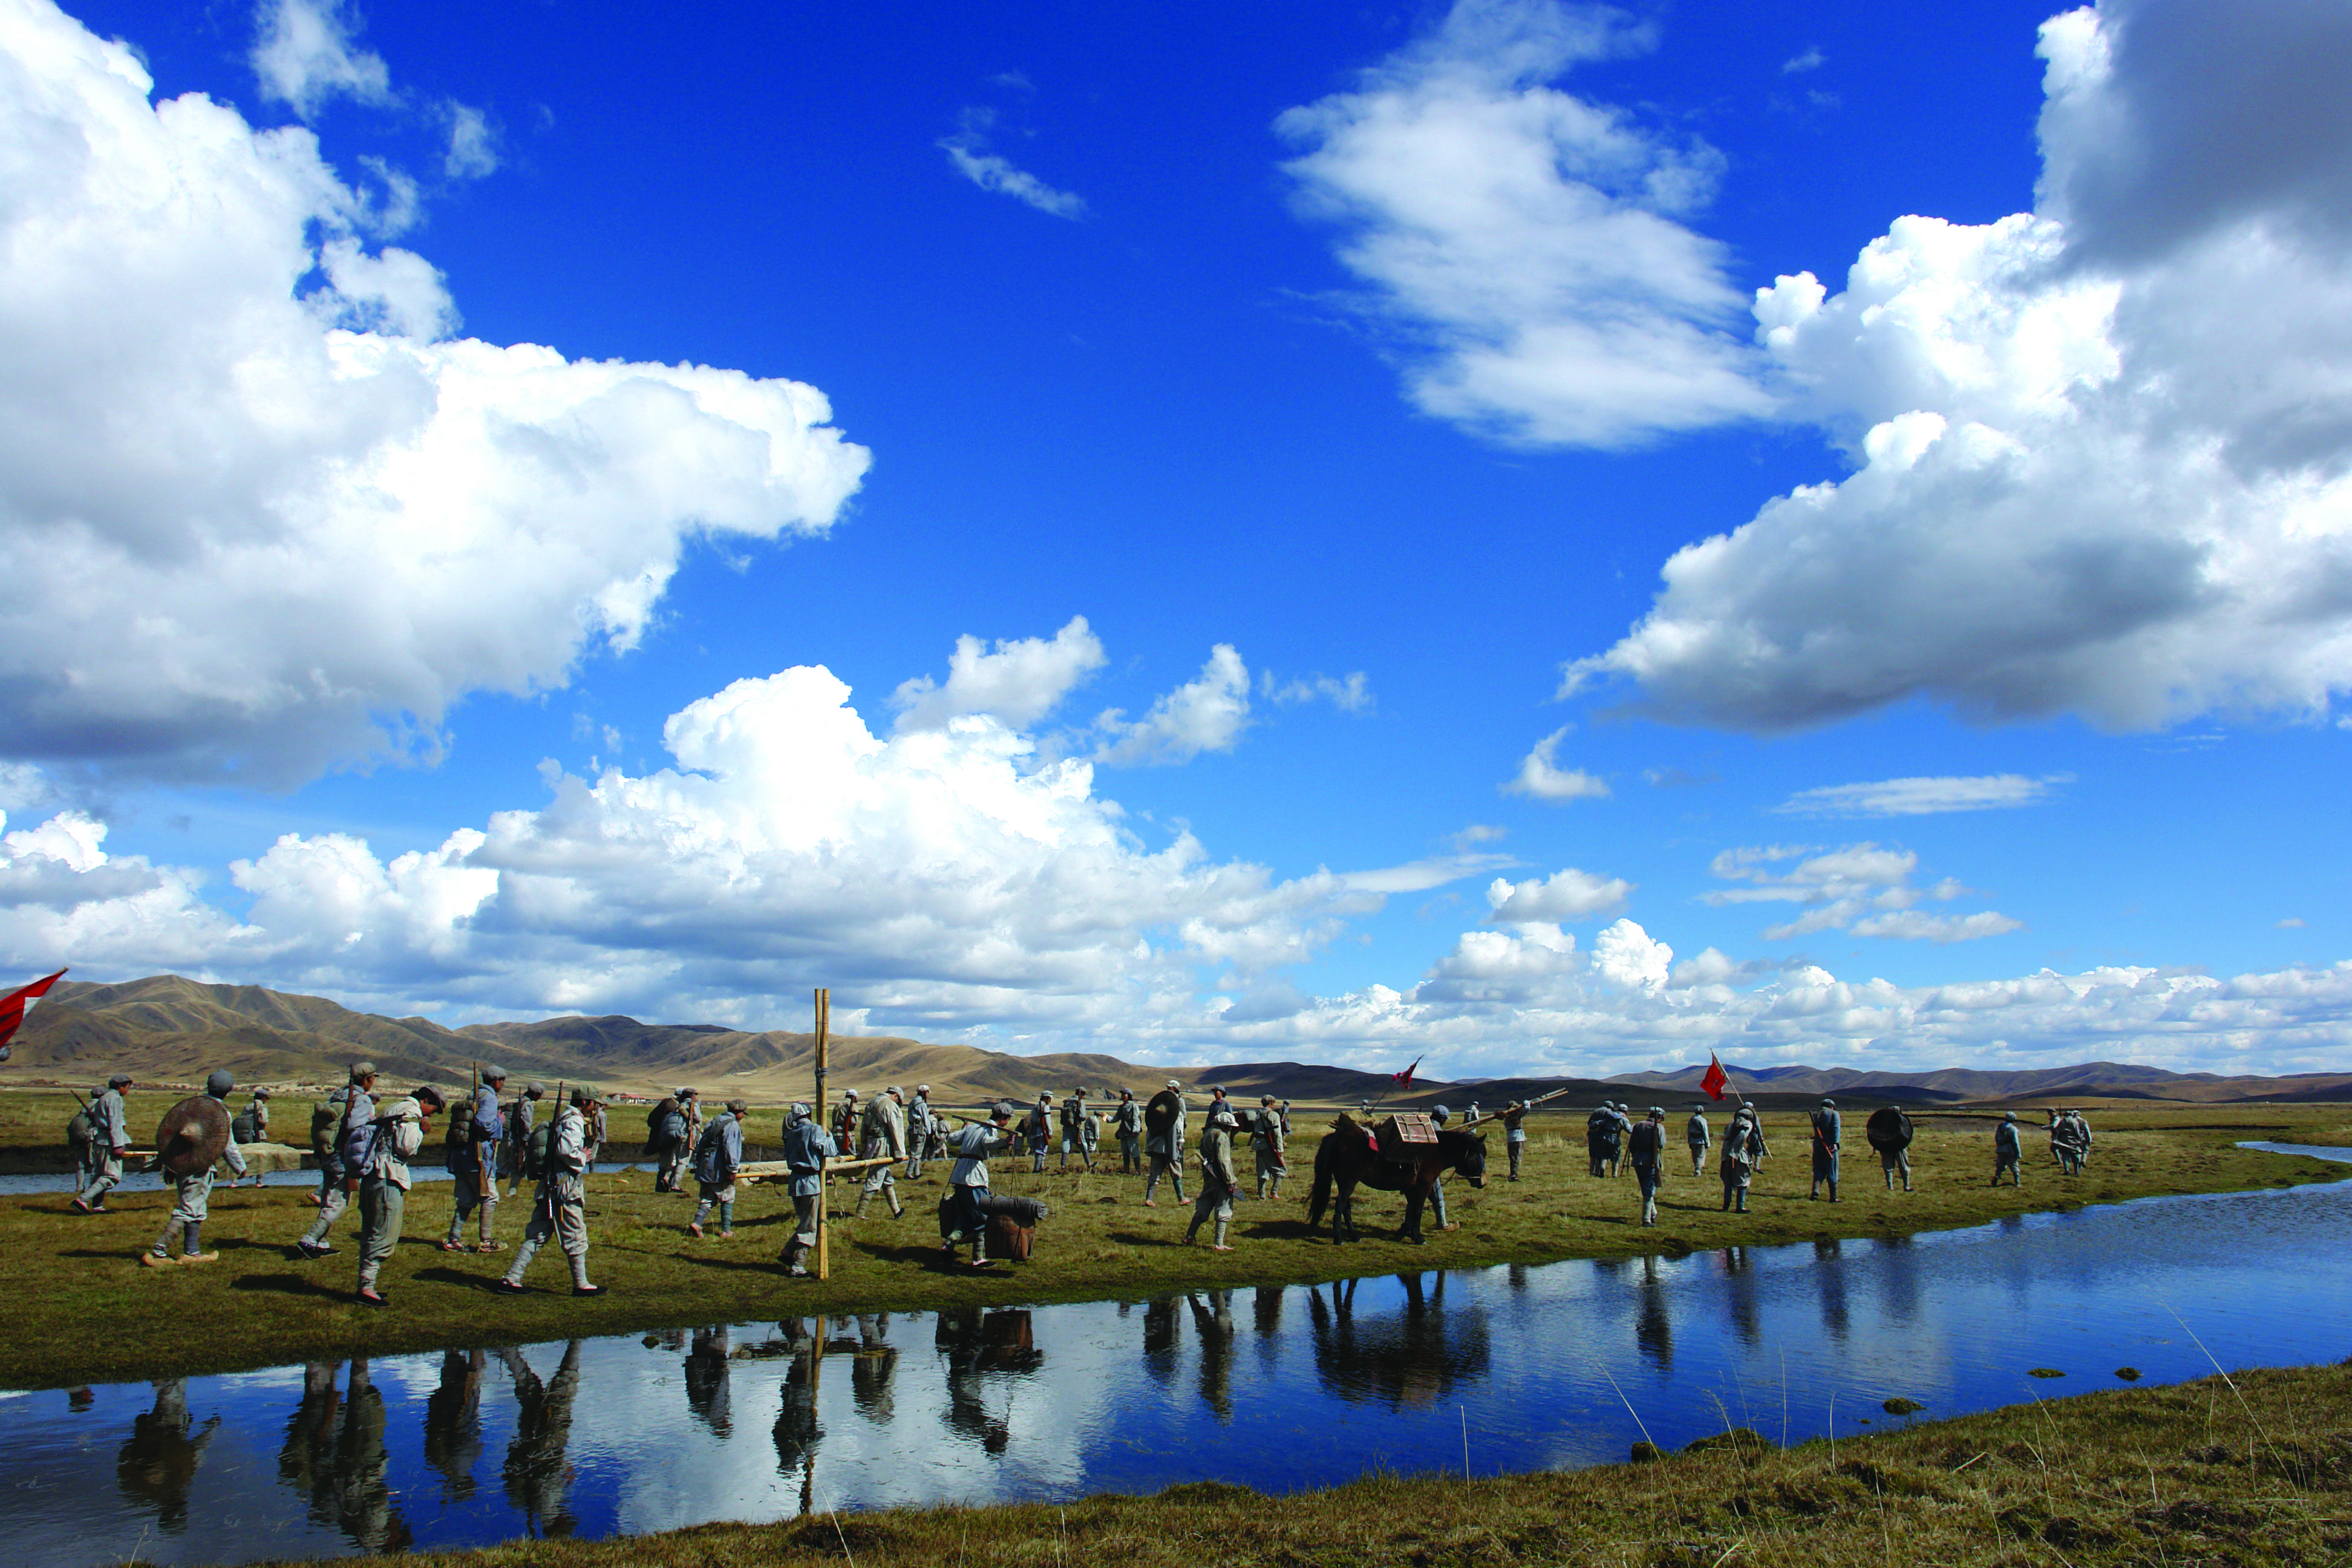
(219, 1083)
(120, 1081)
(738, 1108)
(1174, 1084)
(537, 1091)
(2008, 1116)
(362, 1070)
(494, 1074)
(1001, 1111)
(425, 1091)
(894, 1088)
(1266, 1100)
(1657, 1111)
(1828, 1102)
(261, 1094)
(799, 1110)
(584, 1092)
(1126, 1094)
(922, 1089)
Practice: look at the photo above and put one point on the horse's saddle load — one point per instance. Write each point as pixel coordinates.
(1405, 1134)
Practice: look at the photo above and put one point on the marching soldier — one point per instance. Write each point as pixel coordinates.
(2007, 1151)
(961, 1212)
(919, 1130)
(1165, 1143)
(1219, 1182)
(1129, 1125)
(1759, 1150)
(395, 1134)
(1646, 1148)
(2082, 1142)
(883, 1134)
(1036, 1130)
(519, 1118)
(474, 1165)
(845, 1127)
(1738, 1162)
(1695, 1133)
(339, 1177)
(562, 1209)
(1515, 1133)
(717, 1157)
(1074, 1131)
(1828, 1130)
(684, 1121)
(1090, 1128)
(251, 1126)
(807, 1146)
(1266, 1142)
(110, 1143)
(195, 1191)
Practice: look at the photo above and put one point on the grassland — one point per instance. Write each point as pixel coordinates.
(2251, 1471)
(83, 1308)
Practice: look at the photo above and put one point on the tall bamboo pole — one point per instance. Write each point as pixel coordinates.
(824, 1113)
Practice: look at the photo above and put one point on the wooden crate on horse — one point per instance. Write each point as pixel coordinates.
(1404, 1134)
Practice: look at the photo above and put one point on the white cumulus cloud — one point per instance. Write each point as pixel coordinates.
(1540, 776)
(1207, 713)
(257, 517)
(1566, 895)
(1528, 246)
(1862, 887)
(305, 52)
(2103, 449)
(1019, 682)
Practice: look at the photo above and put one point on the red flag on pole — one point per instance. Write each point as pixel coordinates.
(1715, 1079)
(1404, 1079)
(12, 1007)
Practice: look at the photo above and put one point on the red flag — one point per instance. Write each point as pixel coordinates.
(12, 1007)
(1715, 1079)
(1404, 1079)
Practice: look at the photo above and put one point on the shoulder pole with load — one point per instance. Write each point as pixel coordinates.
(823, 1020)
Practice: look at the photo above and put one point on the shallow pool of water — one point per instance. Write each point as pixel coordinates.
(1507, 1368)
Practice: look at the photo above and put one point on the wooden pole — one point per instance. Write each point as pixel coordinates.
(823, 1112)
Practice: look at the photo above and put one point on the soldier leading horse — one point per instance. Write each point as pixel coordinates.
(1346, 1160)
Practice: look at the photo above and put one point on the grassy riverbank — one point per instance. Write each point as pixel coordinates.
(2251, 1471)
(82, 1309)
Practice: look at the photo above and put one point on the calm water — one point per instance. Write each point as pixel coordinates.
(1559, 1366)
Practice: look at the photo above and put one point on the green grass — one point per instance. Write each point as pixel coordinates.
(2254, 1471)
(82, 1309)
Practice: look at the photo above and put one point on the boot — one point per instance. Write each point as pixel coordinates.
(1219, 1245)
(1833, 1198)
(897, 1209)
(859, 1212)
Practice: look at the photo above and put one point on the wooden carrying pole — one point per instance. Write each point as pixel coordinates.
(823, 1017)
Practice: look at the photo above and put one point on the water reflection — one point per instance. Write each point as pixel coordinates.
(1525, 1365)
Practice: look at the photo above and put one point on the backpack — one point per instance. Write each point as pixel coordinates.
(80, 1129)
(534, 1163)
(325, 1117)
(711, 1154)
(241, 1128)
(664, 1125)
(461, 1123)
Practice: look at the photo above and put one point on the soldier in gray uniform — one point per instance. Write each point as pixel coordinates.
(110, 1141)
(1437, 1115)
(670, 1175)
(474, 1166)
(395, 1134)
(1646, 1152)
(562, 1209)
(1166, 1149)
(2082, 1142)
(1738, 1162)
(960, 1212)
(2069, 1145)
(1828, 1135)
(717, 1157)
(919, 1130)
(1074, 1131)
(1266, 1142)
(251, 1126)
(807, 1146)
(1129, 1125)
(2007, 1151)
(1219, 1182)
(1037, 1131)
(883, 1132)
(196, 1194)
(521, 1117)
(1515, 1133)
(1696, 1134)
(339, 1177)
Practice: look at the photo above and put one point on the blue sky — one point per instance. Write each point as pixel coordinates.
(1417, 595)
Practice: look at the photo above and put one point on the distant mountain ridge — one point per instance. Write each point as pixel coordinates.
(172, 1028)
(2084, 1080)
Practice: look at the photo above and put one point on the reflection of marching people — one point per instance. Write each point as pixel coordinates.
(362, 1468)
(538, 1474)
(873, 1368)
(1214, 1328)
(156, 1465)
(706, 1381)
(453, 1422)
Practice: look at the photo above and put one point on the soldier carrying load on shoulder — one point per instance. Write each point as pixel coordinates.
(883, 1134)
(195, 1189)
(964, 1214)
(715, 1160)
(807, 1146)
(1220, 1184)
(1266, 1142)
(392, 1136)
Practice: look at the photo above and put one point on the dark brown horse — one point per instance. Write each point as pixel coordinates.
(1346, 1160)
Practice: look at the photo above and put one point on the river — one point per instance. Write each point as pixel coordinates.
(1505, 1368)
